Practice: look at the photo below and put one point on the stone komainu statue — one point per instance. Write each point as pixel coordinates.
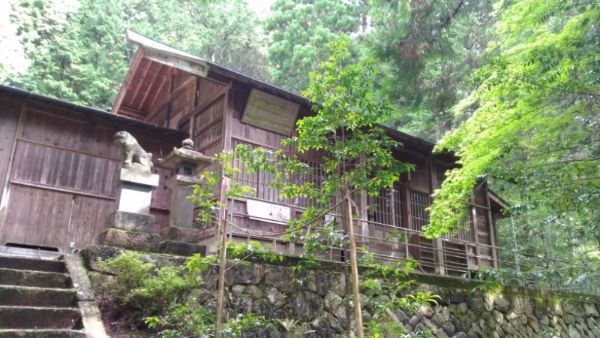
(134, 154)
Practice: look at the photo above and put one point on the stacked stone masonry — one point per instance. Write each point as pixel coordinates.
(316, 300)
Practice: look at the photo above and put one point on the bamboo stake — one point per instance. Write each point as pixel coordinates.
(222, 256)
(358, 324)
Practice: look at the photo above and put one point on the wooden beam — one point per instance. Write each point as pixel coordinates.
(139, 54)
(175, 92)
(196, 68)
(154, 76)
(131, 112)
(162, 84)
(141, 82)
(210, 101)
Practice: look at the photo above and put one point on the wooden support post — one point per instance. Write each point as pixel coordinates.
(475, 232)
(222, 256)
(491, 229)
(363, 215)
(438, 245)
(348, 223)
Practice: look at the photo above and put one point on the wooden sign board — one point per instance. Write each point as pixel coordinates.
(271, 112)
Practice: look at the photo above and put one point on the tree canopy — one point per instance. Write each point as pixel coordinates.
(84, 57)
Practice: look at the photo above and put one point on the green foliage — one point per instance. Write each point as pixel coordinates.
(84, 59)
(398, 269)
(427, 50)
(535, 117)
(168, 299)
(418, 299)
(356, 153)
(491, 280)
(130, 272)
(288, 324)
(254, 250)
(248, 324)
(386, 288)
(300, 31)
(384, 329)
(203, 193)
(345, 127)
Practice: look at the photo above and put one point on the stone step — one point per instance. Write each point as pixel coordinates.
(30, 317)
(22, 263)
(35, 296)
(21, 333)
(34, 278)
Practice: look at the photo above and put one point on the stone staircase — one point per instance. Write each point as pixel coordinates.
(37, 297)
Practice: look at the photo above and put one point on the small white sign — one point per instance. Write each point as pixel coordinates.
(262, 211)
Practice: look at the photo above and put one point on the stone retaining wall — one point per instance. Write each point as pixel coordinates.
(316, 300)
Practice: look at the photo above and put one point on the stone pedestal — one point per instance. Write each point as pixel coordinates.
(133, 201)
(135, 190)
(131, 225)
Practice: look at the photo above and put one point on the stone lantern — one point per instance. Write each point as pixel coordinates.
(187, 164)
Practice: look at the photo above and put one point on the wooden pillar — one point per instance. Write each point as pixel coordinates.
(413, 240)
(437, 243)
(475, 232)
(491, 229)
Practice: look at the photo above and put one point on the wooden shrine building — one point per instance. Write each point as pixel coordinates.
(58, 161)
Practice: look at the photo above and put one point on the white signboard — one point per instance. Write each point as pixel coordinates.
(268, 211)
(270, 112)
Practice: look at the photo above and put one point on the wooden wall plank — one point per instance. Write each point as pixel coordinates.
(37, 217)
(9, 116)
(36, 163)
(88, 219)
(63, 177)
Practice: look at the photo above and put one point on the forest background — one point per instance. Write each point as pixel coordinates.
(512, 87)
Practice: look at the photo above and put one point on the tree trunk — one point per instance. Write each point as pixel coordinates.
(348, 224)
(222, 256)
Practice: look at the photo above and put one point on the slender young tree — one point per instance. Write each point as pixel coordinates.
(356, 155)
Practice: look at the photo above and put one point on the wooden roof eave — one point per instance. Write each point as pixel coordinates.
(66, 107)
(139, 54)
(499, 202)
(170, 56)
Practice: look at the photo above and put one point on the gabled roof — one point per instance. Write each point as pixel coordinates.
(152, 65)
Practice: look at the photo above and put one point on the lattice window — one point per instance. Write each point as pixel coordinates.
(386, 208)
(419, 202)
(260, 181)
